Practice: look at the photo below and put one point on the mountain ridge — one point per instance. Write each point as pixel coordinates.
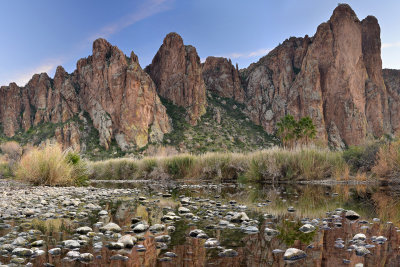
(335, 77)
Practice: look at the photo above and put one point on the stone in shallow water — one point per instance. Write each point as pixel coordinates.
(119, 257)
(24, 252)
(239, 217)
(103, 213)
(20, 241)
(140, 228)
(71, 244)
(115, 245)
(112, 227)
(352, 215)
(250, 229)
(162, 238)
(140, 248)
(128, 240)
(17, 260)
(380, 240)
(170, 254)
(291, 209)
(73, 254)
(362, 251)
(55, 251)
(165, 259)
(86, 257)
(157, 228)
(270, 233)
(307, 228)
(183, 210)
(197, 233)
(84, 230)
(211, 243)
(228, 253)
(359, 237)
(293, 254)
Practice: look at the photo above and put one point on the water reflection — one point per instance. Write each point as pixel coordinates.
(268, 204)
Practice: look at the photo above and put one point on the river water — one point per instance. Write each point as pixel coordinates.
(283, 208)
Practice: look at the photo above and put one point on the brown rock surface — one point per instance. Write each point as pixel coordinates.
(176, 71)
(118, 95)
(222, 78)
(392, 82)
(335, 76)
(69, 136)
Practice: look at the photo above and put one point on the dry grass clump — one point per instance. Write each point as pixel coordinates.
(297, 164)
(12, 149)
(114, 169)
(388, 161)
(50, 165)
(266, 165)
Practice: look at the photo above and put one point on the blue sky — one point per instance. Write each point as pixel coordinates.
(39, 35)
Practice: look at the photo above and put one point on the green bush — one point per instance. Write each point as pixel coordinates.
(179, 166)
(5, 170)
(79, 168)
(362, 158)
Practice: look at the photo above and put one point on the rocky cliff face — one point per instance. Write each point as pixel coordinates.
(176, 71)
(120, 98)
(392, 82)
(222, 78)
(334, 77)
(268, 81)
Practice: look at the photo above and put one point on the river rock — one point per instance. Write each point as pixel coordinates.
(294, 254)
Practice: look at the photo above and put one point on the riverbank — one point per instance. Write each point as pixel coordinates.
(276, 164)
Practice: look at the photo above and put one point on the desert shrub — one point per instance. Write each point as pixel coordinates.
(179, 166)
(267, 165)
(363, 157)
(5, 169)
(80, 174)
(12, 149)
(51, 166)
(298, 164)
(262, 167)
(146, 166)
(13, 152)
(114, 169)
(388, 161)
(218, 166)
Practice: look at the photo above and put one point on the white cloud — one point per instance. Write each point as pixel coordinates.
(386, 45)
(257, 53)
(23, 77)
(147, 9)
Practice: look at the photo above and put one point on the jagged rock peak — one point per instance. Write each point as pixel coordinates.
(335, 77)
(343, 10)
(176, 71)
(222, 78)
(118, 95)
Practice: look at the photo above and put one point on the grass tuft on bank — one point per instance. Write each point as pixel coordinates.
(51, 166)
(263, 166)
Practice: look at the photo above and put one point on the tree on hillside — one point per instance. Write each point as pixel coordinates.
(292, 132)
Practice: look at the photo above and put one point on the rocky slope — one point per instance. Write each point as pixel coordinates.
(119, 97)
(222, 78)
(335, 77)
(176, 71)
